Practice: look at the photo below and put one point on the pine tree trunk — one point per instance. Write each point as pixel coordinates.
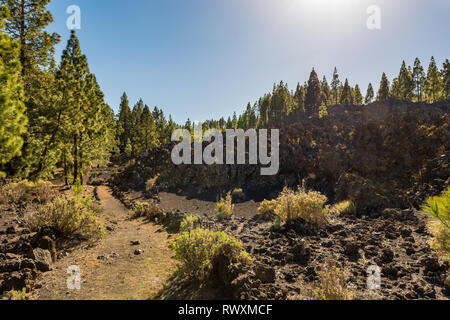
(22, 36)
(75, 158)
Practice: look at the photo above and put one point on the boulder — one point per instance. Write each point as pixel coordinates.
(265, 274)
(42, 259)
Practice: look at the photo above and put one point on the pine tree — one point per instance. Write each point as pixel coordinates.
(325, 91)
(446, 79)
(148, 135)
(313, 93)
(370, 94)
(86, 119)
(124, 122)
(358, 98)
(235, 121)
(27, 25)
(433, 86)
(281, 102)
(383, 92)
(405, 84)
(299, 98)
(264, 109)
(12, 119)
(346, 96)
(418, 79)
(335, 86)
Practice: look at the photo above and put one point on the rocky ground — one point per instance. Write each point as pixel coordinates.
(287, 259)
(132, 262)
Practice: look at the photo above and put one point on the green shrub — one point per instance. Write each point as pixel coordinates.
(189, 223)
(68, 218)
(332, 285)
(438, 212)
(149, 210)
(20, 295)
(344, 208)
(290, 205)
(198, 249)
(225, 207)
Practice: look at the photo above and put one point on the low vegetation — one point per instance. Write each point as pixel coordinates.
(68, 218)
(149, 210)
(151, 183)
(198, 249)
(332, 285)
(189, 223)
(27, 191)
(344, 208)
(225, 207)
(291, 205)
(438, 212)
(20, 295)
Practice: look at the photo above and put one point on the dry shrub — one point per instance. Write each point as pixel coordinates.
(225, 207)
(197, 249)
(291, 205)
(344, 208)
(25, 190)
(3, 195)
(332, 285)
(151, 183)
(149, 210)
(68, 218)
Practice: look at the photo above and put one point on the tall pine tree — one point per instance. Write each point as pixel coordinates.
(12, 119)
(313, 93)
(383, 91)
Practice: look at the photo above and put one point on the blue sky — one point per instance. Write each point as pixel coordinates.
(205, 59)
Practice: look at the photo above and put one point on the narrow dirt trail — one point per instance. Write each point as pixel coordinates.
(110, 269)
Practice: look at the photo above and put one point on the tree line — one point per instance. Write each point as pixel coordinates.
(315, 95)
(55, 116)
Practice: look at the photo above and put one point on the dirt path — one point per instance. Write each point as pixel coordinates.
(110, 270)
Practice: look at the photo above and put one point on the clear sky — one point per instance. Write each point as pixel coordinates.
(205, 59)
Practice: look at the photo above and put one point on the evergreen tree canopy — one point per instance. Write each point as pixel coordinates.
(383, 91)
(313, 97)
(12, 119)
(369, 95)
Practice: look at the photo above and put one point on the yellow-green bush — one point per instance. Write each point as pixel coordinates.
(189, 223)
(438, 212)
(290, 205)
(225, 207)
(332, 285)
(20, 295)
(149, 210)
(344, 207)
(68, 218)
(198, 248)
